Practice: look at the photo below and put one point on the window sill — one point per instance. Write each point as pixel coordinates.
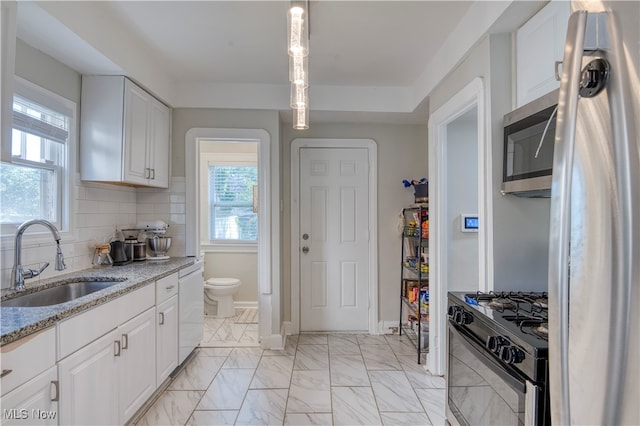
(229, 248)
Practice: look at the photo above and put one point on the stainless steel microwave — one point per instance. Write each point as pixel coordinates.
(529, 135)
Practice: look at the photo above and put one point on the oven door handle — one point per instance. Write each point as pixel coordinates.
(488, 360)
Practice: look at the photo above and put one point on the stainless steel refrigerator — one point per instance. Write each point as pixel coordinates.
(594, 259)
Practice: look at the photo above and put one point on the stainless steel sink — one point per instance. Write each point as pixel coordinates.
(58, 294)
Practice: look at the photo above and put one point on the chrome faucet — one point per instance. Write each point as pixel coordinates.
(18, 273)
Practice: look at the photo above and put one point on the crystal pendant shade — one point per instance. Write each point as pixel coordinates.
(298, 66)
(299, 96)
(298, 49)
(297, 31)
(301, 118)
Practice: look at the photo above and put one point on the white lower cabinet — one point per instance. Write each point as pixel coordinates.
(110, 361)
(89, 383)
(107, 381)
(137, 363)
(33, 403)
(167, 338)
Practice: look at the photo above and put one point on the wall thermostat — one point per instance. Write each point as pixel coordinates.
(468, 223)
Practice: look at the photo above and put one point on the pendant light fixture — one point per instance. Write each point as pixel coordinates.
(298, 48)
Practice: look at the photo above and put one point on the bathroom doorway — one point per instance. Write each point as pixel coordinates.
(229, 214)
(233, 243)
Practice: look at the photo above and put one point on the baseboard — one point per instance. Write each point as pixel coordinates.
(274, 342)
(245, 304)
(388, 327)
(286, 329)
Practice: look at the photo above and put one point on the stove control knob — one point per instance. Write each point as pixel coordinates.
(462, 317)
(465, 318)
(496, 343)
(452, 311)
(512, 355)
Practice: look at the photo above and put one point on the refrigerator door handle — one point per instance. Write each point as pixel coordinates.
(559, 236)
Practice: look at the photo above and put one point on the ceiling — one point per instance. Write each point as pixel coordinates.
(368, 57)
(361, 43)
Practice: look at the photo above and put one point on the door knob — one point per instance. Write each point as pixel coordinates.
(305, 236)
(305, 249)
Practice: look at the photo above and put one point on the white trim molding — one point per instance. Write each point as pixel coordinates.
(372, 149)
(471, 96)
(245, 304)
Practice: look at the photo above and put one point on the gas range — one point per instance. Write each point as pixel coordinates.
(498, 358)
(510, 325)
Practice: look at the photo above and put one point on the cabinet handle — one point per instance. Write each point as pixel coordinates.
(125, 341)
(55, 391)
(147, 173)
(161, 318)
(170, 287)
(116, 348)
(5, 373)
(153, 173)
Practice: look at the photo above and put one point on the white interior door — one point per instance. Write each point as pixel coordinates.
(334, 239)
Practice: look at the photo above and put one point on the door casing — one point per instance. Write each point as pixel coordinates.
(371, 147)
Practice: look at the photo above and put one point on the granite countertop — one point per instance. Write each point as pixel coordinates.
(16, 323)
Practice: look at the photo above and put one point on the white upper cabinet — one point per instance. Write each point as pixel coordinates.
(539, 44)
(124, 133)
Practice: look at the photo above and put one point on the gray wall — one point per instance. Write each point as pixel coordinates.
(402, 154)
(462, 197)
(187, 118)
(43, 70)
(520, 226)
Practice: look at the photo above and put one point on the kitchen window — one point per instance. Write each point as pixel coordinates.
(229, 199)
(34, 182)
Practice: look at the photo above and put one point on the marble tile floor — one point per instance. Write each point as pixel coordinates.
(238, 331)
(325, 379)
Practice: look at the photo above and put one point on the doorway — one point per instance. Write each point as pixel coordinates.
(333, 235)
(267, 232)
(460, 184)
(229, 214)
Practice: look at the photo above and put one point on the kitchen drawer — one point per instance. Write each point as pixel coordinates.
(166, 287)
(82, 329)
(27, 357)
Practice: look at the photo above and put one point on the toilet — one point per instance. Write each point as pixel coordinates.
(219, 292)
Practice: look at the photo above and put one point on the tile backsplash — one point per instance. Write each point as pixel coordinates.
(99, 208)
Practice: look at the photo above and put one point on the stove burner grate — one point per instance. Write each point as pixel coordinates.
(529, 302)
(501, 303)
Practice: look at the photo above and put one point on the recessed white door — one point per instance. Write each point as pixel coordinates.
(334, 239)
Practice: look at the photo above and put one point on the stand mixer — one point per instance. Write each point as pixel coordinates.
(157, 242)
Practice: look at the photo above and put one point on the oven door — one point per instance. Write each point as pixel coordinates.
(481, 390)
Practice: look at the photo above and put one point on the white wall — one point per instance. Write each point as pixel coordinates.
(462, 197)
(402, 154)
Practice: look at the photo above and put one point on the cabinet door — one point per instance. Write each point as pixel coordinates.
(167, 338)
(539, 44)
(34, 403)
(136, 132)
(137, 366)
(89, 383)
(159, 146)
(24, 359)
